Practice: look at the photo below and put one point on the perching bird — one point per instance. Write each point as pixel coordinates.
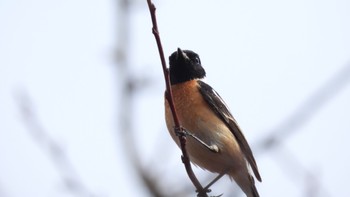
(215, 141)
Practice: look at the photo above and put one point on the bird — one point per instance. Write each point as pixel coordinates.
(216, 142)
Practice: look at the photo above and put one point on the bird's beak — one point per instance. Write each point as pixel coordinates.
(181, 54)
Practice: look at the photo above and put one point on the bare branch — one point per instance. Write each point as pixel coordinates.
(291, 125)
(306, 111)
(295, 169)
(58, 156)
(168, 95)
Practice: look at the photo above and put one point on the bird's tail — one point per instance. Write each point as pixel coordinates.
(254, 191)
(246, 182)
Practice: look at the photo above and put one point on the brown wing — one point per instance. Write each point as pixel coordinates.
(219, 107)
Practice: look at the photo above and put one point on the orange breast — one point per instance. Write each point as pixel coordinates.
(196, 117)
(192, 110)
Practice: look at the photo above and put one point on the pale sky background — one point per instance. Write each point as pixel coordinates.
(265, 58)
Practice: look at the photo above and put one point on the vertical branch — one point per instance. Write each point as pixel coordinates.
(124, 110)
(168, 95)
(128, 87)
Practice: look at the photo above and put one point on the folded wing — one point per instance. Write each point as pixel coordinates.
(219, 107)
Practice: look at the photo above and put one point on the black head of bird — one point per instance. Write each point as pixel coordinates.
(185, 65)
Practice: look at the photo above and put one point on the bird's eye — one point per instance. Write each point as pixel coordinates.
(196, 60)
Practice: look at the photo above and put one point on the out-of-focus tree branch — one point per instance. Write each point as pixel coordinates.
(305, 111)
(129, 85)
(294, 122)
(296, 171)
(59, 158)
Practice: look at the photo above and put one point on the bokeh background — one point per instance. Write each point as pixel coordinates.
(81, 94)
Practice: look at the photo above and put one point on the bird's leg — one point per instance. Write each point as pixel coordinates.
(206, 188)
(182, 131)
(216, 179)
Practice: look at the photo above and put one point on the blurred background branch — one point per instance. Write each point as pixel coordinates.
(128, 87)
(54, 150)
(305, 111)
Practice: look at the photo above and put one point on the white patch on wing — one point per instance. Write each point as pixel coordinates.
(223, 102)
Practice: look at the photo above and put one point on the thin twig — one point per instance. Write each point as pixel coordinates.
(302, 115)
(169, 97)
(305, 111)
(58, 156)
(295, 169)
